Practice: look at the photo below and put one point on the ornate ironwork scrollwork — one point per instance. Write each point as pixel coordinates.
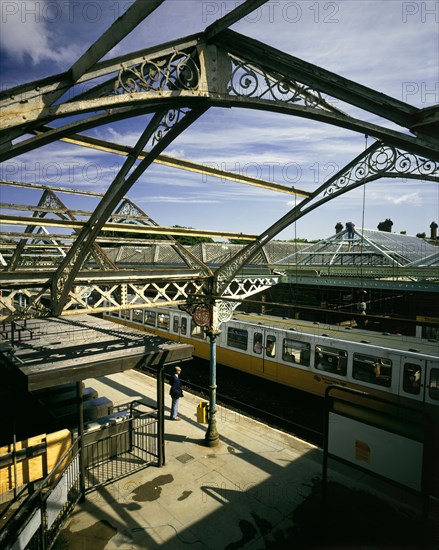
(228, 272)
(179, 71)
(254, 81)
(202, 312)
(225, 310)
(50, 201)
(381, 161)
(169, 120)
(127, 210)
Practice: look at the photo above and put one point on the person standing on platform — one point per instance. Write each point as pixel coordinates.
(350, 227)
(175, 392)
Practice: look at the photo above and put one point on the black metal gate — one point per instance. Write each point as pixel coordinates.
(122, 448)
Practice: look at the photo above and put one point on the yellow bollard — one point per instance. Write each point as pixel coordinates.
(202, 412)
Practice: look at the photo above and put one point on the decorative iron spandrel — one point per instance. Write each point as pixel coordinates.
(252, 81)
(169, 120)
(382, 161)
(179, 71)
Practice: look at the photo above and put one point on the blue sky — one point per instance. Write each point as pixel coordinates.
(391, 46)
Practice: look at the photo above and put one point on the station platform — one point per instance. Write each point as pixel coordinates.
(258, 488)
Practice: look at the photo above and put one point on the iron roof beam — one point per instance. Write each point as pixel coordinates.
(327, 82)
(129, 20)
(124, 228)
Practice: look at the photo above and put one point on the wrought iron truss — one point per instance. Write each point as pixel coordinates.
(377, 161)
(175, 83)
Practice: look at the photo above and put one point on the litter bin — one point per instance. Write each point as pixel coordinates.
(202, 412)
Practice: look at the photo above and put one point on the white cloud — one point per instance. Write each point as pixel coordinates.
(178, 200)
(24, 32)
(410, 198)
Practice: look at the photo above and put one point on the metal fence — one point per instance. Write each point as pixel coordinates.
(36, 523)
(122, 448)
(117, 448)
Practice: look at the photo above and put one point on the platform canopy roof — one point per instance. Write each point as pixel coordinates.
(54, 351)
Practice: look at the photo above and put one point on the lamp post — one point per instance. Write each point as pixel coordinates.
(206, 315)
(212, 436)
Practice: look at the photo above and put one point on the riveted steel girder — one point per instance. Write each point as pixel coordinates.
(28, 294)
(124, 228)
(207, 169)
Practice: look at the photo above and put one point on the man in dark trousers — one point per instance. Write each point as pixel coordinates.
(175, 392)
(350, 227)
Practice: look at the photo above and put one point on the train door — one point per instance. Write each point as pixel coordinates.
(270, 354)
(264, 350)
(413, 376)
(432, 383)
(257, 350)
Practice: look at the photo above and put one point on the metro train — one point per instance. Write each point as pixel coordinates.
(308, 356)
(311, 356)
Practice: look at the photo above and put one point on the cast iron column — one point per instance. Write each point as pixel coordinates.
(212, 437)
(161, 413)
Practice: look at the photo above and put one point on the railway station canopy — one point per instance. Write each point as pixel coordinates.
(53, 351)
(61, 243)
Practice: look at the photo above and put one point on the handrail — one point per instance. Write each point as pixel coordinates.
(28, 503)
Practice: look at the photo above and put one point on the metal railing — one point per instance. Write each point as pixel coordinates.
(119, 446)
(122, 448)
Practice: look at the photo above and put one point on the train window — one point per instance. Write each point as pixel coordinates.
(270, 348)
(163, 321)
(434, 384)
(150, 317)
(411, 380)
(183, 325)
(430, 333)
(138, 315)
(331, 360)
(372, 369)
(237, 338)
(296, 352)
(175, 324)
(257, 343)
(197, 331)
(125, 314)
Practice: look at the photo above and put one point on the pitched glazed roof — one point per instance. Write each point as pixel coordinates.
(368, 247)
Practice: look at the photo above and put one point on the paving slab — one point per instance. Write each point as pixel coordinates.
(258, 488)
